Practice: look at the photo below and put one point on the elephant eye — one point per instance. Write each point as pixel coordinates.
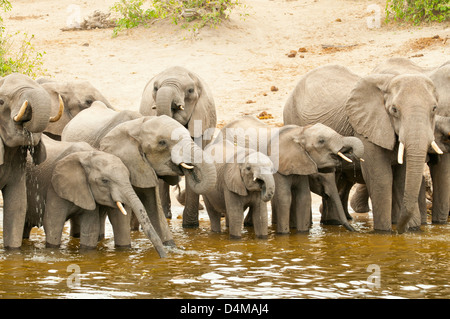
(321, 141)
(434, 108)
(162, 143)
(191, 90)
(89, 102)
(394, 110)
(105, 181)
(2, 102)
(155, 88)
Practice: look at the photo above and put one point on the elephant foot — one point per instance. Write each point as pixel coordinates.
(439, 222)
(382, 232)
(235, 237)
(122, 247)
(262, 236)
(330, 222)
(87, 247)
(169, 243)
(191, 225)
(48, 245)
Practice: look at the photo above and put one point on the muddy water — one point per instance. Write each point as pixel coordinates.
(328, 262)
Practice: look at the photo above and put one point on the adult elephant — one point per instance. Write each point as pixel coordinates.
(151, 147)
(184, 96)
(77, 180)
(25, 113)
(439, 164)
(391, 114)
(297, 153)
(76, 95)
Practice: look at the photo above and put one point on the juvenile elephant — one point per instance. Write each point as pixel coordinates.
(391, 114)
(439, 164)
(78, 181)
(297, 153)
(151, 147)
(244, 180)
(184, 96)
(24, 114)
(77, 95)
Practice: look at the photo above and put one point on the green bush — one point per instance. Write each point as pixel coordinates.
(22, 58)
(199, 12)
(418, 11)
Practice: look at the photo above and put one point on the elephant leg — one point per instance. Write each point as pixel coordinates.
(120, 224)
(103, 210)
(260, 220)
(302, 202)
(14, 213)
(377, 173)
(440, 176)
(248, 220)
(359, 201)
(235, 213)
(214, 216)
(75, 227)
(134, 222)
(89, 229)
(164, 194)
(27, 230)
(190, 212)
(55, 216)
(281, 203)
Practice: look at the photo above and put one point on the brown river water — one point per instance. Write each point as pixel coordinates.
(328, 262)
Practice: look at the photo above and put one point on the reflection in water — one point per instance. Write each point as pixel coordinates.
(327, 262)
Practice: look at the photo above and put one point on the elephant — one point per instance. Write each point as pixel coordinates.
(391, 114)
(77, 95)
(298, 153)
(151, 147)
(79, 181)
(439, 164)
(184, 96)
(244, 179)
(25, 113)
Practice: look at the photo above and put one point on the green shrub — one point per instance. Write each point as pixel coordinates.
(22, 58)
(183, 12)
(418, 11)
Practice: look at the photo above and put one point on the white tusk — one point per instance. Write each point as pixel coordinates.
(186, 166)
(122, 209)
(401, 150)
(60, 111)
(436, 148)
(362, 159)
(181, 107)
(344, 157)
(22, 110)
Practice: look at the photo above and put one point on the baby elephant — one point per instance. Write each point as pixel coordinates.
(244, 180)
(77, 181)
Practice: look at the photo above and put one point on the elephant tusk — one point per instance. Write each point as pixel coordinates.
(60, 111)
(22, 110)
(401, 150)
(186, 166)
(181, 107)
(362, 159)
(436, 148)
(344, 157)
(121, 208)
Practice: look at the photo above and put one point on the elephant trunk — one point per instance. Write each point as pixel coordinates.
(353, 144)
(416, 148)
(267, 187)
(168, 100)
(34, 112)
(200, 172)
(133, 201)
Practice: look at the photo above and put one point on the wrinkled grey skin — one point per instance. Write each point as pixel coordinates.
(77, 181)
(244, 179)
(382, 110)
(184, 96)
(298, 153)
(16, 139)
(77, 95)
(439, 164)
(146, 145)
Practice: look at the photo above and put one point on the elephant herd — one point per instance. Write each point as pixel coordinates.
(67, 154)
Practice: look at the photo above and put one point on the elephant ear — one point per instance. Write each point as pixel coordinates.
(70, 182)
(290, 156)
(233, 179)
(204, 110)
(123, 141)
(366, 111)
